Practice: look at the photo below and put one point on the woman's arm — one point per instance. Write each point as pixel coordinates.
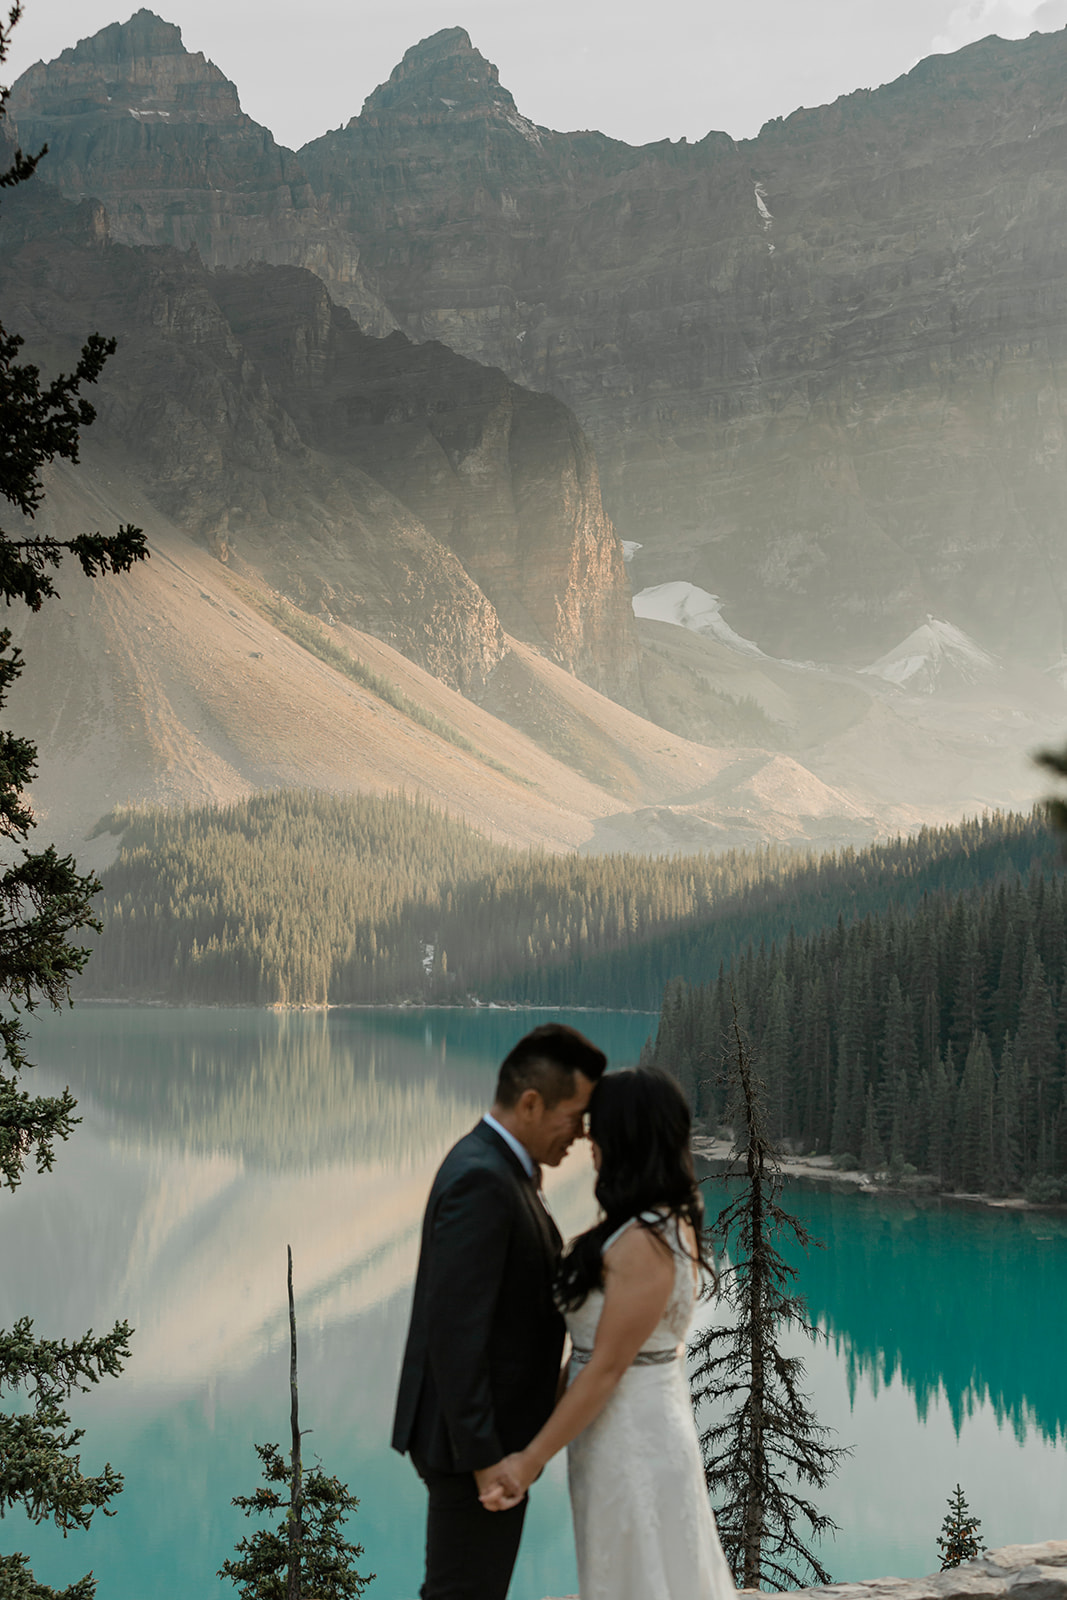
(638, 1279)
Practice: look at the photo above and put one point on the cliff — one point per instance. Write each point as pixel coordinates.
(821, 368)
(402, 489)
(157, 133)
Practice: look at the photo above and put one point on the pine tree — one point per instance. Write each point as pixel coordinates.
(975, 1126)
(769, 1445)
(872, 1154)
(307, 1557)
(43, 901)
(958, 1541)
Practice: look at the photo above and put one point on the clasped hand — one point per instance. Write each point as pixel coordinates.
(504, 1485)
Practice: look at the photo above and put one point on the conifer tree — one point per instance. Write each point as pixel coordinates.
(307, 1557)
(872, 1155)
(43, 901)
(958, 1540)
(769, 1447)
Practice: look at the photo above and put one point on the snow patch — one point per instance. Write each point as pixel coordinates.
(766, 216)
(522, 125)
(920, 660)
(630, 547)
(689, 607)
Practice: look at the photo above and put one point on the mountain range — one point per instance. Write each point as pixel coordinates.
(429, 380)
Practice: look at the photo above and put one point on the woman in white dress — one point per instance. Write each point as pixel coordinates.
(643, 1525)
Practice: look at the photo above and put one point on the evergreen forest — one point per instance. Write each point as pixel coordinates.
(927, 1041)
(296, 898)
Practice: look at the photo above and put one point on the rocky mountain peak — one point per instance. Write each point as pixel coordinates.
(442, 77)
(139, 68)
(156, 132)
(143, 37)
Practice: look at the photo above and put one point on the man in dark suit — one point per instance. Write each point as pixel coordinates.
(482, 1363)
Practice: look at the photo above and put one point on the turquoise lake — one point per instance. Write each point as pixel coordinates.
(211, 1139)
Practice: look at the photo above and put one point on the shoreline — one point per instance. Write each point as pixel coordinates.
(813, 1169)
(821, 1169)
(356, 1005)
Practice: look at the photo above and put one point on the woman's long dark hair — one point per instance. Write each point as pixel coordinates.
(641, 1123)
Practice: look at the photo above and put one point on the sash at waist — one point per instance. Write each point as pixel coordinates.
(643, 1358)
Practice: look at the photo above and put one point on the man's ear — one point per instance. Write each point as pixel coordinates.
(529, 1103)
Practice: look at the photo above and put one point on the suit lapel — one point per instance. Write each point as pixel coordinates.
(546, 1223)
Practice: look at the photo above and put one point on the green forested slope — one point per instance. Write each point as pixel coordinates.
(774, 894)
(297, 898)
(932, 1037)
(286, 898)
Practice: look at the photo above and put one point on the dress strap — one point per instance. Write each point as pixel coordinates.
(643, 1216)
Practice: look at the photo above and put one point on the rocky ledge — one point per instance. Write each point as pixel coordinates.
(1021, 1571)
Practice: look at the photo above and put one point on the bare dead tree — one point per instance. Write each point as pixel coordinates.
(308, 1559)
(769, 1447)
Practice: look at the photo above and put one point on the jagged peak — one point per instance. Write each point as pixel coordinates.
(440, 45)
(140, 67)
(142, 36)
(441, 74)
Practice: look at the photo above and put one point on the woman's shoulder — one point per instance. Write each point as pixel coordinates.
(661, 1228)
(651, 1217)
(640, 1258)
(657, 1226)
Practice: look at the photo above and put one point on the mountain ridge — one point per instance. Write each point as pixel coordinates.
(405, 489)
(820, 368)
(397, 489)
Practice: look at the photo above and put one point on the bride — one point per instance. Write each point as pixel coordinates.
(643, 1525)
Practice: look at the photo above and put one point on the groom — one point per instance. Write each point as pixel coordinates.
(481, 1367)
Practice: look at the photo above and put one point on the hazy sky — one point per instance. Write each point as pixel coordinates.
(638, 71)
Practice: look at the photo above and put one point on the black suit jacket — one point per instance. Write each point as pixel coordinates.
(485, 1341)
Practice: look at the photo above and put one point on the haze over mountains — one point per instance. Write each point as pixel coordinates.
(814, 380)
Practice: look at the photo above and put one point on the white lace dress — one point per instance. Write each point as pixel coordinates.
(642, 1521)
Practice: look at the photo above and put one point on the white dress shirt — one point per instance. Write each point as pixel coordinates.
(529, 1166)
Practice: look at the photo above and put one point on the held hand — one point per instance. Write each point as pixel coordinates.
(505, 1485)
(492, 1490)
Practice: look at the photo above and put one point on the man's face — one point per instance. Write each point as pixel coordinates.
(549, 1134)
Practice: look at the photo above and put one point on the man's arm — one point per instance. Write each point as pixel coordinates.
(471, 1231)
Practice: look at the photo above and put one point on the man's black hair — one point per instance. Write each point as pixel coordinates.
(547, 1059)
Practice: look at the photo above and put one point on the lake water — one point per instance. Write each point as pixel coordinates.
(211, 1139)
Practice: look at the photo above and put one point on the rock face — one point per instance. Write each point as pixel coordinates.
(1021, 1571)
(157, 133)
(822, 370)
(399, 488)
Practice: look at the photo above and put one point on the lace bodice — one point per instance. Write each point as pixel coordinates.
(672, 1327)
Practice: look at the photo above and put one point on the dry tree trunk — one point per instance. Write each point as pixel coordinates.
(296, 1495)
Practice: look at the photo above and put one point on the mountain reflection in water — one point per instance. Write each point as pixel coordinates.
(212, 1142)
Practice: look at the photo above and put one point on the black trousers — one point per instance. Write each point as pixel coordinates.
(470, 1552)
